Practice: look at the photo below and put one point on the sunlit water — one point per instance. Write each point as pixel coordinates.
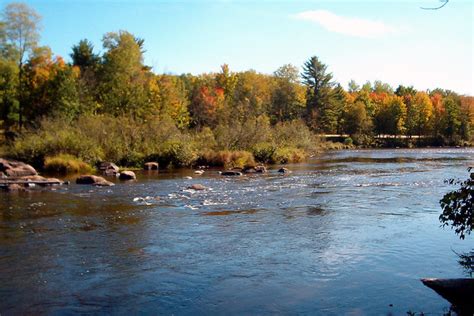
(349, 232)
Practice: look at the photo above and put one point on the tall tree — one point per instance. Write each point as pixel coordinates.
(124, 77)
(83, 55)
(22, 25)
(287, 100)
(88, 62)
(319, 86)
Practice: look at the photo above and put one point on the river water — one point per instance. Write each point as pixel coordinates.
(348, 232)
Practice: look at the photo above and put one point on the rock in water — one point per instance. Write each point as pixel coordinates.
(13, 188)
(256, 169)
(197, 187)
(93, 180)
(284, 170)
(231, 173)
(109, 169)
(127, 175)
(459, 292)
(150, 166)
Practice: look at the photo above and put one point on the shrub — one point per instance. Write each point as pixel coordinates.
(288, 155)
(226, 158)
(65, 164)
(263, 152)
(177, 154)
(348, 141)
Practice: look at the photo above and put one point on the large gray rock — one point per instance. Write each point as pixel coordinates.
(93, 180)
(16, 169)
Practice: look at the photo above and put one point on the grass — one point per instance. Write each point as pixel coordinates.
(66, 164)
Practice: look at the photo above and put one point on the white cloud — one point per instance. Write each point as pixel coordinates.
(347, 25)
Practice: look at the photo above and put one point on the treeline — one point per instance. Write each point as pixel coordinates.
(42, 94)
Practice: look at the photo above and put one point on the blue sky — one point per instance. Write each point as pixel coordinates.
(393, 41)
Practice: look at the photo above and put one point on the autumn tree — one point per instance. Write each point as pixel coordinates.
(356, 120)
(390, 115)
(419, 114)
(51, 87)
(171, 99)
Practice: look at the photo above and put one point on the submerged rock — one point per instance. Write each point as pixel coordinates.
(197, 187)
(284, 170)
(150, 165)
(127, 175)
(13, 188)
(256, 169)
(231, 173)
(93, 180)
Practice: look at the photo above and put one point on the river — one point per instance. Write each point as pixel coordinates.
(348, 232)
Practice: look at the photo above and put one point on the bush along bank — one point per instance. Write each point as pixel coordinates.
(75, 147)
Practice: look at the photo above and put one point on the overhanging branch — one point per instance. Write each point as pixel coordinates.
(437, 8)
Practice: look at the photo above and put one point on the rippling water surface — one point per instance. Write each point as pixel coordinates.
(349, 232)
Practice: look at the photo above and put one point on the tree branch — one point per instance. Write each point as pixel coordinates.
(437, 8)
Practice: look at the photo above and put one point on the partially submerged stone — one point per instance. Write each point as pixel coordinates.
(256, 169)
(13, 188)
(459, 292)
(127, 175)
(37, 179)
(230, 173)
(284, 170)
(93, 180)
(109, 169)
(197, 187)
(151, 165)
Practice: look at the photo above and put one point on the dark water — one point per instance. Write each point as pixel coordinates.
(350, 232)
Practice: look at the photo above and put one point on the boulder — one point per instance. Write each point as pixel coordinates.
(16, 169)
(150, 166)
(197, 187)
(109, 169)
(459, 292)
(127, 175)
(93, 180)
(231, 173)
(199, 172)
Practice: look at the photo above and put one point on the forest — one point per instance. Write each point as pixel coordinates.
(95, 107)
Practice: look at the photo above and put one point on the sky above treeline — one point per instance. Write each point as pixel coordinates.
(393, 41)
